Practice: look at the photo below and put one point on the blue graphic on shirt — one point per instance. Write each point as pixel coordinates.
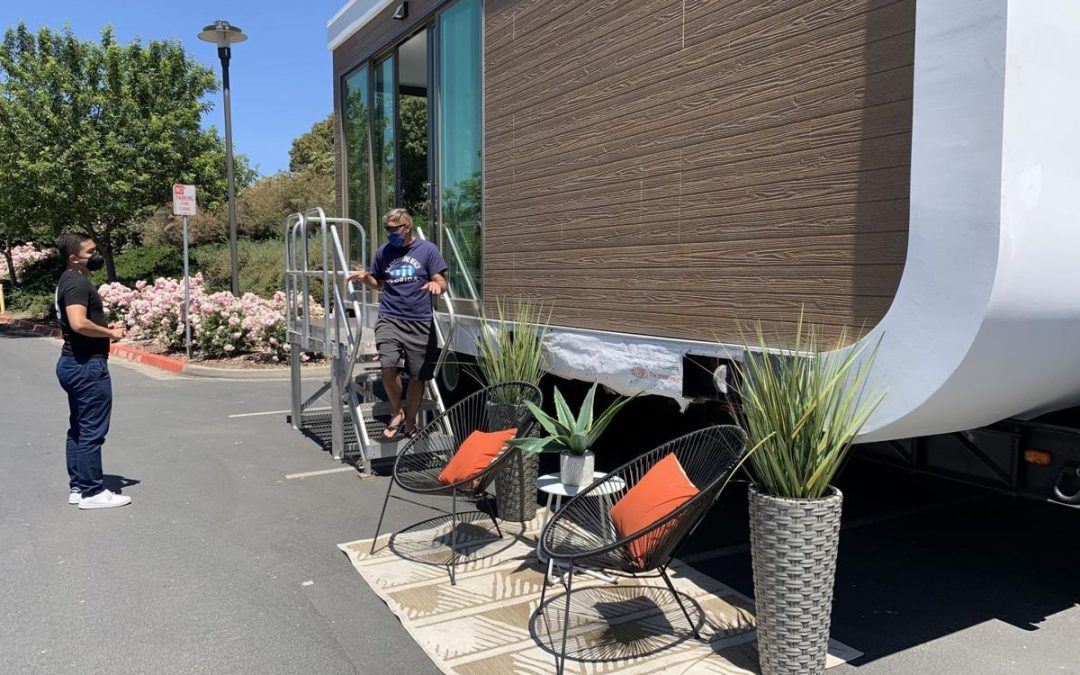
(405, 268)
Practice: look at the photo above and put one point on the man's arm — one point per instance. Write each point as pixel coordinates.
(437, 285)
(81, 324)
(367, 279)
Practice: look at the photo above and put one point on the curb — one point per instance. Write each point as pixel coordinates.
(211, 372)
(146, 358)
(33, 326)
(175, 366)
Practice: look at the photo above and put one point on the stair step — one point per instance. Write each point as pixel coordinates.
(319, 425)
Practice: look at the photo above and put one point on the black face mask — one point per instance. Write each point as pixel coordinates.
(95, 262)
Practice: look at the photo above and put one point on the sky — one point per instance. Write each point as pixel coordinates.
(281, 76)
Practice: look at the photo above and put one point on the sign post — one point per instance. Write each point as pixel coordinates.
(184, 205)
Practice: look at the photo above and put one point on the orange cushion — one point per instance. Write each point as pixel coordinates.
(664, 488)
(478, 451)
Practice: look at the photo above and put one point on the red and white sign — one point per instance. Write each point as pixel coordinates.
(183, 200)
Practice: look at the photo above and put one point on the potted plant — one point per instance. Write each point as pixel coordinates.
(510, 348)
(571, 435)
(801, 409)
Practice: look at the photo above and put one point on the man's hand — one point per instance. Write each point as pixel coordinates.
(118, 332)
(433, 287)
(358, 275)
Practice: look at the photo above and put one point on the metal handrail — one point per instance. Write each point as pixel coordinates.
(335, 265)
(461, 263)
(448, 298)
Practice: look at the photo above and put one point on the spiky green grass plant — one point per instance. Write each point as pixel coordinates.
(802, 408)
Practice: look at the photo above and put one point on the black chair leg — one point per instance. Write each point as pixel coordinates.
(381, 514)
(560, 663)
(671, 587)
(491, 514)
(453, 536)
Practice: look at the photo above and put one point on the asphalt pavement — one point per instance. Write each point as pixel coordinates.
(226, 564)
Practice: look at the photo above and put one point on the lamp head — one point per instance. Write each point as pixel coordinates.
(222, 33)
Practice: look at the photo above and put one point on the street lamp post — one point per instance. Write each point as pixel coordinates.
(224, 34)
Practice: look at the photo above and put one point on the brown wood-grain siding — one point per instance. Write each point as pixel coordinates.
(674, 168)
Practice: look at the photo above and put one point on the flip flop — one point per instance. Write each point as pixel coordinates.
(394, 429)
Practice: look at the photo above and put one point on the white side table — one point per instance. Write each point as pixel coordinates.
(556, 489)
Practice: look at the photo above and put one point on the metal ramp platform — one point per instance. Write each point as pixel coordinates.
(329, 315)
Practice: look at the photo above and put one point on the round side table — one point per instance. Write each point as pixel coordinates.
(556, 490)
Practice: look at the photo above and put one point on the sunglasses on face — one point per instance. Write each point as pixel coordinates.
(394, 229)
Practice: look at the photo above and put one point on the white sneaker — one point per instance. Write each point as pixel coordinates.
(104, 500)
(74, 496)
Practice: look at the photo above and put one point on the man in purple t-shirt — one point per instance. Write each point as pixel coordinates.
(407, 271)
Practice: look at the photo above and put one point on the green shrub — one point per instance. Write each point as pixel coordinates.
(35, 296)
(261, 265)
(39, 306)
(145, 262)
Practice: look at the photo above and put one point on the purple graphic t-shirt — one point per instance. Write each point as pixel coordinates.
(405, 270)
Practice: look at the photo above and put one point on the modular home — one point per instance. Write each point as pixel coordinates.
(660, 172)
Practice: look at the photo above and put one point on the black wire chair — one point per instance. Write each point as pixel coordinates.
(424, 457)
(582, 533)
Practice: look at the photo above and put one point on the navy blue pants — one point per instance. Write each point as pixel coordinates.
(89, 390)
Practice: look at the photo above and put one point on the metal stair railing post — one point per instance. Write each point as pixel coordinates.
(446, 340)
(342, 385)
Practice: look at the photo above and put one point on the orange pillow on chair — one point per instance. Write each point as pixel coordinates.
(664, 488)
(478, 451)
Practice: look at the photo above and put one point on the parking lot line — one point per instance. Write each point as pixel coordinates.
(309, 474)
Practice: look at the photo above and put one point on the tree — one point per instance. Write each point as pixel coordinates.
(100, 131)
(314, 150)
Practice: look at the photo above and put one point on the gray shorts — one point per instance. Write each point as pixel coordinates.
(410, 341)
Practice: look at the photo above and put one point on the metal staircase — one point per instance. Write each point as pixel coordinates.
(354, 414)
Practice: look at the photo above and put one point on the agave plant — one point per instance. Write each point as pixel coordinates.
(802, 408)
(567, 432)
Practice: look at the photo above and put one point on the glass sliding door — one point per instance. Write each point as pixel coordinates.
(459, 126)
(385, 147)
(356, 113)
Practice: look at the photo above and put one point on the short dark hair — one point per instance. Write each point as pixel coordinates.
(69, 244)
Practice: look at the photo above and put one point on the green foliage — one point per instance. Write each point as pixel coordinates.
(278, 341)
(261, 266)
(414, 154)
(510, 348)
(801, 410)
(145, 263)
(462, 215)
(264, 206)
(40, 306)
(313, 151)
(357, 152)
(35, 296)
(568, 432)
(94, 134)
(214, 335)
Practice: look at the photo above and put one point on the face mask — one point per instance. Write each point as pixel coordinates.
(95, 262)
(396, 239)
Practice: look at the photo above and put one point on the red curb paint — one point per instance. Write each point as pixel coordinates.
(115, 349)
(139, 356)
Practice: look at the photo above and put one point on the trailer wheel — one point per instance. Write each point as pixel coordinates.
(1070, 474)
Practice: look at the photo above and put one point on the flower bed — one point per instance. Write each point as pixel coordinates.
(222, 325)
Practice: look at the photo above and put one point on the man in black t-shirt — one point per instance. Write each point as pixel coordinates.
(83, 371)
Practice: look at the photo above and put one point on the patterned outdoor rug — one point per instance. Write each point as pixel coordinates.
(487, 624)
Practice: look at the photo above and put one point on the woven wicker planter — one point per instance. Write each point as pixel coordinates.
(515, 481)
(793, 543)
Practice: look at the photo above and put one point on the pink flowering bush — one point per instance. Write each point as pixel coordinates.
(22, 256)
(221, 325)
